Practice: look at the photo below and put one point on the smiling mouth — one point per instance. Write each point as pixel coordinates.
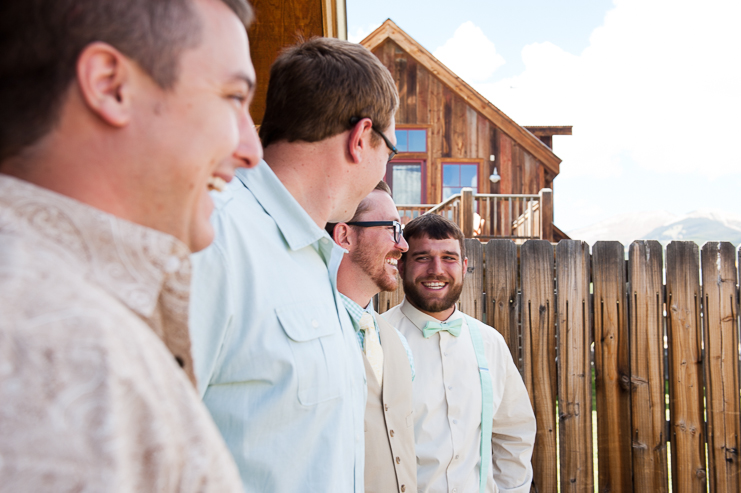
(216, 183)
(392, 261)
(435, 285)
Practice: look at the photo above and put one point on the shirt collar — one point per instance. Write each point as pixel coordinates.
(419, 318)
(356, 311)
(295, 224)
(129, 261)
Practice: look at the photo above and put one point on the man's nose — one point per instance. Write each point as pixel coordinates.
(435, 266)
(249, 150)
(402, 244)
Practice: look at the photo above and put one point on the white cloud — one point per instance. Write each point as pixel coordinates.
(470, 54)
(360, 33)
(658, 86)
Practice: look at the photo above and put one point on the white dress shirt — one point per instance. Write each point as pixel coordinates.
(447, 409)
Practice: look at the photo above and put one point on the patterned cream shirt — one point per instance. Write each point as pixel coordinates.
(93, 335)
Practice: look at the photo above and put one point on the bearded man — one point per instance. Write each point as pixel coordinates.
(374, 243)
(474, 426)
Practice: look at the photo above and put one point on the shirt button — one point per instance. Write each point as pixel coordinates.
(455, 490)
(450, 387)
(398, 460)
(391, 432)
(386, 407)
(455, 421)
(403, 488)
(315, 323)
(456, 456)
(445, 354)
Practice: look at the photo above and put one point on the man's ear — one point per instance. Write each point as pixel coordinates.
(104, 77)
(400, 266)
(359, 140)
(465, 266)
(342, 235)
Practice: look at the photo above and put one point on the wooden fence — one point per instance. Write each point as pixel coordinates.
(564, 312)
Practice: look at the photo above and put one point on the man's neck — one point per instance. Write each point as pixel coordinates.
(308, 171)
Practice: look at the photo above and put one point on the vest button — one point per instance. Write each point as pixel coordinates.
(391, 432)
(398, 460)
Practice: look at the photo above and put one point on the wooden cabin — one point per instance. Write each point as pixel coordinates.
(450, 137)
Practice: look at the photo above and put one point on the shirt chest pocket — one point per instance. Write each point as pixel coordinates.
(315, 337)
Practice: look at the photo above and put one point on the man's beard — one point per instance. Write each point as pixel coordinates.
(413, 293)
(370, 265)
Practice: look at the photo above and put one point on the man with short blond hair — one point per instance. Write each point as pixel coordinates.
(276, 355)
(118, 117)
(374, 243)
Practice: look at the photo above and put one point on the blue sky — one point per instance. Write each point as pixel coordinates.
(650, 86)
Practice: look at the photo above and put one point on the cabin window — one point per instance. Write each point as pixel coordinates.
(457, 176)
(411, 140)
(405, 180)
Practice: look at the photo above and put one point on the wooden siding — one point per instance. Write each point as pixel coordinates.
(457, 130)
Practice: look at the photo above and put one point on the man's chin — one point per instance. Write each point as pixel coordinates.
(201, 237)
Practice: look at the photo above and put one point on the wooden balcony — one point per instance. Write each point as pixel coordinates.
(518, 217)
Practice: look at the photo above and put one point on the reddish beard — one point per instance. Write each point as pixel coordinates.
(376, 270)
(413, 293)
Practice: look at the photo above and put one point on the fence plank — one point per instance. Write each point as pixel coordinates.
(684, 341)
(388, 300)
(721, 366)
(574, 369)
(539, 356)
(472, 296)
(501, 292)
(612, 367)
(648, 407)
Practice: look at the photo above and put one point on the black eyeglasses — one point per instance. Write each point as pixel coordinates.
(377, 224)
(392, 148)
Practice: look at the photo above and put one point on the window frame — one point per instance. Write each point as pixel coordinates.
(422, 163)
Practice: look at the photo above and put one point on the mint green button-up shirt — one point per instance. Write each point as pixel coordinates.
(275, 353)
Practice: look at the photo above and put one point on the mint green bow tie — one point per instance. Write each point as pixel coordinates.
(453, 327)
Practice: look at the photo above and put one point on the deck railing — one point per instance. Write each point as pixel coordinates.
(485, 216)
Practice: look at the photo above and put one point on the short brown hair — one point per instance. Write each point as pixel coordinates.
(362, 206)
(42, 40)
(435, 227)
(317, 86)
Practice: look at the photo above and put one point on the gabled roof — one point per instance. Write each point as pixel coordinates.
(529, 142)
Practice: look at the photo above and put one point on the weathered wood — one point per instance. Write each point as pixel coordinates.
(612, 366)
(277, 25)
(463, 91)
(472, 296)
(721, 366)
(546, 214)
(389, 299)
(684, 341)
(501, 292)
(466, 212)
(574, 368)
(539, 355)
(648, 415)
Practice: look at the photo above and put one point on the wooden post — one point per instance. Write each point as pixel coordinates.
(574, 367)
(472, 296)
(721, 366)
(685, 366)
(466, 212)
(648, 408)
(612, 367)
(501, 292)
(539, 356)
(546, 214)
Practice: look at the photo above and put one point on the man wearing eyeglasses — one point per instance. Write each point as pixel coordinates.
(374, 242)
(276, 355)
